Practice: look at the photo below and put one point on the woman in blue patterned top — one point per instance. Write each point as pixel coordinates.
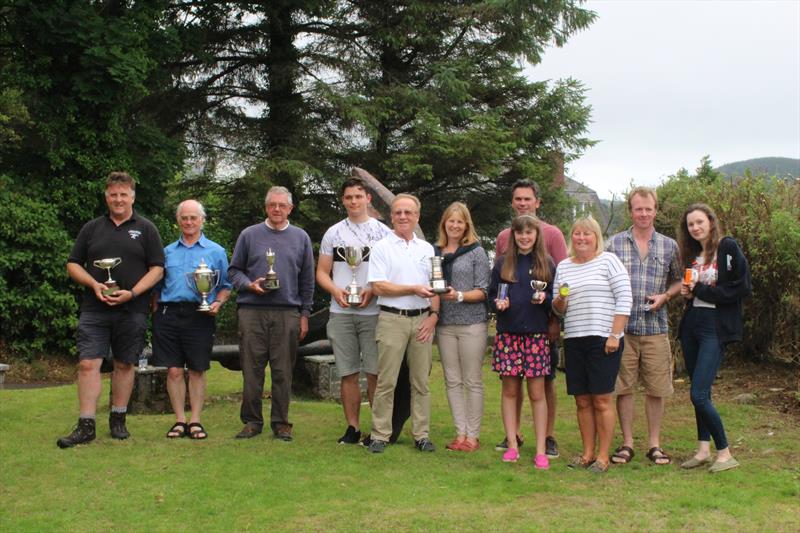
(462, 330)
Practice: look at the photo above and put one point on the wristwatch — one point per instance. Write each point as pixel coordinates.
(618, 336)
(459, 296)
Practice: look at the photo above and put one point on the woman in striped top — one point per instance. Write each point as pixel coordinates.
(595, 309)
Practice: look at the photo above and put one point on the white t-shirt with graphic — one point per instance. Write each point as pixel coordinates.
(348, 233)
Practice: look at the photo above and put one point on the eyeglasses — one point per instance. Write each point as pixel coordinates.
(404, 212)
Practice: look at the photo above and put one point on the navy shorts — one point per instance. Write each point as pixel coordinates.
(182, 336)
(122, 331)
(590, 370)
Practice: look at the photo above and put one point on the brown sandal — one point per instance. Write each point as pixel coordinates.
(622, 455)
(656, 454)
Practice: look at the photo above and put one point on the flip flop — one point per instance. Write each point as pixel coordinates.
(622, 455)
(656, 454)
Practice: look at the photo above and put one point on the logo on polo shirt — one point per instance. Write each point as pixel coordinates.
(134, 233)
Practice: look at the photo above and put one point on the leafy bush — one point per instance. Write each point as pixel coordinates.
(37, 301)
(763, 214)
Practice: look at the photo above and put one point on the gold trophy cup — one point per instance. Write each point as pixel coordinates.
(538, 287)
(271, 281)
(203, 280)
(353, 256)
(108, 264)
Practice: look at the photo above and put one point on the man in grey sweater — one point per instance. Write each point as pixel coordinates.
(272, 319)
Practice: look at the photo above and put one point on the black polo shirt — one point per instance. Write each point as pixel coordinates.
(135, 241)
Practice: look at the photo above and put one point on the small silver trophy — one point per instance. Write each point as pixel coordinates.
(108, 264)
(353, 256)
(271, 281)
(203, 280)
(438, 283)
(538, 287)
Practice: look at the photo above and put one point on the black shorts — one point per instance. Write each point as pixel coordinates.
(183, 336)
(590, 370)
(120, 330)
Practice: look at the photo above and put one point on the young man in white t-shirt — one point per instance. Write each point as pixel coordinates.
(351, 327)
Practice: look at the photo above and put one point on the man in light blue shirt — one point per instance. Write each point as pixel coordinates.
(182, 335)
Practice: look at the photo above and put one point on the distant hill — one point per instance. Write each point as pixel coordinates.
(771, 166)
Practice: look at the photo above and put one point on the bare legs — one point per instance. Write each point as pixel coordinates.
(596, 422)
(351, 396)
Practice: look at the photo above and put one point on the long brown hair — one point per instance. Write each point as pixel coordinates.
(541, 263)
(691, 247)
(457, 208)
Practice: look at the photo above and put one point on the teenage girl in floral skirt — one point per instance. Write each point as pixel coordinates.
(521, 346)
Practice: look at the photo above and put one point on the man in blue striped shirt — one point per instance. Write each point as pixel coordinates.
(653, 264)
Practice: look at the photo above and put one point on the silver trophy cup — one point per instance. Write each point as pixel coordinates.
(108, 264)
(353, 256)
(203, 281)
(271, 281)
(538, 287)
(438, 283)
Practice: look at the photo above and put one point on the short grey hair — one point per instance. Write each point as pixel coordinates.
(199, 208)
(277, 189)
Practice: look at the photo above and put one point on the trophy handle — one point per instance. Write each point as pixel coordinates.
(365, 255)
(117, 261)
(339, 253)
(217, 277)
(190, 280)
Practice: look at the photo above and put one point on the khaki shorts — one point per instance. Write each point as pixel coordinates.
(649, 358)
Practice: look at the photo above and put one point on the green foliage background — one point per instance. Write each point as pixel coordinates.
(763, 214)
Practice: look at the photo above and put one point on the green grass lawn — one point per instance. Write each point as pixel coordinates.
(150, 483)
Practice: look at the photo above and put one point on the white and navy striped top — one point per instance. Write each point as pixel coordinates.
(598, 290)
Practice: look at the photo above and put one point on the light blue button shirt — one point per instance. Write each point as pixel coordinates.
(181, 259)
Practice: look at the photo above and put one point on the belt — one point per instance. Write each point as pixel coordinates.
(404, 312)
(178, 305)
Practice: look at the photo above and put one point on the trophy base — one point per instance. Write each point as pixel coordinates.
(270, 284)
(438, 290)
(203, 308)
(110, 290)
(354, 299)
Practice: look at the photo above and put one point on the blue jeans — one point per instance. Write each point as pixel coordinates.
(703, 354)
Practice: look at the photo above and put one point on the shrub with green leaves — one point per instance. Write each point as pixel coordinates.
(763, 214)
(37, 301)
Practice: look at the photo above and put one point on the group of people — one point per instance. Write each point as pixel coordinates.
(611, 300)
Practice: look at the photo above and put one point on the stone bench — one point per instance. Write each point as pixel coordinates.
(322, 379)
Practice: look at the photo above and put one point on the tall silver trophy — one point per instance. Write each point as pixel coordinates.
(108, 264)
(438, 283)
(538, 287)
(353, 256)
(203, 280)
(271, 281)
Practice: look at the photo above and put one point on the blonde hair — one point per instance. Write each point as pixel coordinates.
(457, 208)
(590, 224)
(408, 197)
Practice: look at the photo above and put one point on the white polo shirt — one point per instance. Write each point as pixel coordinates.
(396, 260)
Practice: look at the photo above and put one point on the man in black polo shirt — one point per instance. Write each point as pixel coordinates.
(115, 319)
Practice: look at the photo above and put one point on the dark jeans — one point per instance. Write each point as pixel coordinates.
(267, 336)
(703, 354)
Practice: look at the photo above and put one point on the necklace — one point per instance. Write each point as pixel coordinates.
(352, 229)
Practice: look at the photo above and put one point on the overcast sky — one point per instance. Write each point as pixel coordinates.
(671, 81)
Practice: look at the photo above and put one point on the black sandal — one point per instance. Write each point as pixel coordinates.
(651, 454)
(200, 434)
(622, 455)
(179, 430)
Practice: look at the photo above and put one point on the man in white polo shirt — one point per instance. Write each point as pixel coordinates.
(399, 271)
